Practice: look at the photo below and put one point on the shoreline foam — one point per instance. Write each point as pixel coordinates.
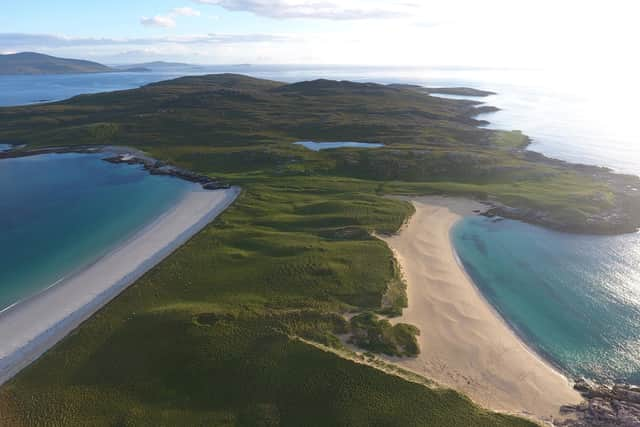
(31, 327)
(465, 343)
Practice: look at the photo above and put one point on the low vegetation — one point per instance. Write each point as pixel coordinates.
(244, 128)
(379, 336)
(209, 337)
(218, 334)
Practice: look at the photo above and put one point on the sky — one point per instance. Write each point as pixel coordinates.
(468, 33)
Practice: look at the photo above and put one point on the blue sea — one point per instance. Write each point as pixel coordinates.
(574, 299)
(60, 212)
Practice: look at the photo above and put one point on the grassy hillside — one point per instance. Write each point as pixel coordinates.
(218, 333)
(37, 63)
(209, 336)
(238, 125)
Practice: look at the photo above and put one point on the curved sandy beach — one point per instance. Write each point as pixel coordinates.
(31, 327)
(464, 343)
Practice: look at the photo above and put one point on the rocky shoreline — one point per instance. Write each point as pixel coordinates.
(622, 218)
(603, 406)
(611, 223)
(157, 167)
(126, 156)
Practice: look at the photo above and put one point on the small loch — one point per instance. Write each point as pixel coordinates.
(318, 146)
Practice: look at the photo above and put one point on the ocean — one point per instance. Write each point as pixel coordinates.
(61, 212)
(574, 299)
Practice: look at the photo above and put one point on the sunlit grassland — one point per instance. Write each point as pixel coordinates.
(210, 336)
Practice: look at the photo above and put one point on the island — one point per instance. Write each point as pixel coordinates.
(299, 305)
(159, 66)
(37, 63)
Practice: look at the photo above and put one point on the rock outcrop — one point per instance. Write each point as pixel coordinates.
(604, 406)
(157, 167)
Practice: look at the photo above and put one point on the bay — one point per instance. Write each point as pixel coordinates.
(61, 212)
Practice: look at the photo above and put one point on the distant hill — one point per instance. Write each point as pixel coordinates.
(37, 63)
(158, 66)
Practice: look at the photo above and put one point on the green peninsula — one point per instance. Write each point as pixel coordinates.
(242, 325)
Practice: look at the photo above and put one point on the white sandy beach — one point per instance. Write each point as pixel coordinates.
(31, 327)
(464, 343)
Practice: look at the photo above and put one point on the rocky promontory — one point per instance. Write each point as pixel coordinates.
(604, 406)
(615, 221)
(157, 167)
(126, 156)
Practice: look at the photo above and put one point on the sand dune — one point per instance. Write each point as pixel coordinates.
(31, 327)
(464, 343)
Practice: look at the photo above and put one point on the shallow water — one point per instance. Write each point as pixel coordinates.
(60, 212)
(575, 299)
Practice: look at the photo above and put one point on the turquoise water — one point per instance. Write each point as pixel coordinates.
(318, 146)
(60, 212)
(575, 299)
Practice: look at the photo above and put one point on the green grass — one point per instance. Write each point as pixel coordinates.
(243, 129)
(379, 336)
(208, 336)
(218, 333)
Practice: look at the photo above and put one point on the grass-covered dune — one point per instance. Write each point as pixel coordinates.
(220, 333)
(211, 335)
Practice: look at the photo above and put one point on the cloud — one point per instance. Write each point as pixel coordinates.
(185, 11)
(158, 21)
(168, 20)
(198, 48)
(28, 41)
(20, 41)
(314, 9)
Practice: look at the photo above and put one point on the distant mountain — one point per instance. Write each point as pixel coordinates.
(37, 63)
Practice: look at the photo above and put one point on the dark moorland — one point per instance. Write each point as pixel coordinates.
(242, 325)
